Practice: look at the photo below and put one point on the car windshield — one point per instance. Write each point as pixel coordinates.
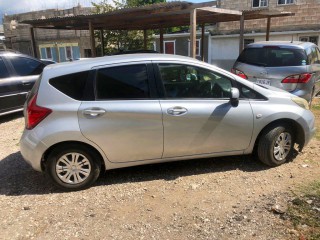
(273, 57)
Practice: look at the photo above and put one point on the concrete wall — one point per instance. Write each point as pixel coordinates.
(225, 48)
(306, 16)
(20, 38)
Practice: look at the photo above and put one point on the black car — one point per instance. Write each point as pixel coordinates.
(18, 73)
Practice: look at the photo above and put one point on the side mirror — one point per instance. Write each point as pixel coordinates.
(235, 94)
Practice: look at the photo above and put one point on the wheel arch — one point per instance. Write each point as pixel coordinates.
(299, 137)
(65, 143)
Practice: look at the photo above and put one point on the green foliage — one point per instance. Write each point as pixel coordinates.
(115, 41)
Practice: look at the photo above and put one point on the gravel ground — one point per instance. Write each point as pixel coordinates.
(220, 198)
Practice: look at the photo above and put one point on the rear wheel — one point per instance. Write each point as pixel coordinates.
(275, 146)
(73, 167)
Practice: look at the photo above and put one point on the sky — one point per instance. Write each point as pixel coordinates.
(19, 6)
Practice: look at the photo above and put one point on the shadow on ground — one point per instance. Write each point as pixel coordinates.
(18, 178)
(10, 117)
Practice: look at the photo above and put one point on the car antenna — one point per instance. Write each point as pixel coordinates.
(291, 38)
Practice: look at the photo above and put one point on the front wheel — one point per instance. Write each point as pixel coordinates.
(73, 167)
(275, 146)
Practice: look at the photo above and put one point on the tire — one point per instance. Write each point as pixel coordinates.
(73, 167)
(275, 146)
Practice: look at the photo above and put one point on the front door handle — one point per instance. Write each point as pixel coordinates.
(176, 111)
(94, 112)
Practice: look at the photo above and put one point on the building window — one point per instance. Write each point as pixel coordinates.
(283, 2)
(198, 49)
(247, 41)
(312, 39)
(49, 53)
(169, 47)
(259, 3)
(69, 53)
(87, 53)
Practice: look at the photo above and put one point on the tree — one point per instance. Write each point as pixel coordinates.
(115, 41)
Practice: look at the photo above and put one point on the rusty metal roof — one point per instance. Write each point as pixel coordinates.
(153, 16)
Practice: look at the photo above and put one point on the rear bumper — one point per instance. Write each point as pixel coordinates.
(32, 149)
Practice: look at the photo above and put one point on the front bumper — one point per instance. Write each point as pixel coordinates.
(32, 149)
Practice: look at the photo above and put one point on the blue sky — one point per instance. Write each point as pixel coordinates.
(19, 6)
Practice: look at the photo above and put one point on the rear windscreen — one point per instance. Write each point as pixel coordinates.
(273, 57)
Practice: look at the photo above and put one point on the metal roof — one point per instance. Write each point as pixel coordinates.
(153, 16)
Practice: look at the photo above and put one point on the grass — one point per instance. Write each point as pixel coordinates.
(304, 212)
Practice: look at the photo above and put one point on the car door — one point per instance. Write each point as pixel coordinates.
(10, 97)
(315, 69)
(27, 71)
(126, 118)
(198, 117)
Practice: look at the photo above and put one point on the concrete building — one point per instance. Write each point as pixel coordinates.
(304, 26)
(57, 45)
(222, 46)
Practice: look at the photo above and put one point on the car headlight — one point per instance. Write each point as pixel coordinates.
(301, 102)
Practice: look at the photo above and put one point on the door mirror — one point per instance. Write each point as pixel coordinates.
(235, 94)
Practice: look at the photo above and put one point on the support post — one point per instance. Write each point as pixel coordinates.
(202, 43)
(193, 34)
(33, 43)
(92, 42)
(268, 28)
(102, 42)
(145, 39)
(241, 33)
(161, 40)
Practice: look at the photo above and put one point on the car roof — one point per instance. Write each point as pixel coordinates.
(286, 44)
(89, 63)
(12, 53)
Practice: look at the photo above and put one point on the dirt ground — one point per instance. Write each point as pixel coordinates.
(220, 198)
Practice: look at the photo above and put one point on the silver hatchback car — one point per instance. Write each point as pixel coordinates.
(292, 66)
(120, 111)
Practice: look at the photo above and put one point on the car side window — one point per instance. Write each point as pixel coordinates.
(72, 85)
(26, 66)
(123, 82)
(184, 81)
(3, 69)
(314, 56)
(248, 93)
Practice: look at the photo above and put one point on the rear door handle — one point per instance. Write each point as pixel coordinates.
(176, 111)
(94, 112)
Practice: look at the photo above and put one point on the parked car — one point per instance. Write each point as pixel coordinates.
(292, 66)
(125, 110)
(18, 73)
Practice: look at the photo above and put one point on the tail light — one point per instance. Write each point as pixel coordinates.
(35, 114)
(238, 73)
(298, 78)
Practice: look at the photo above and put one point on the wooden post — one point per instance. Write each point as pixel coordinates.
(145, 39)
(161, 40)
(202, 43)
(92, 42)
(33, 43)
(268, 28)
(193, 34)
(102, 42)
(241, 33)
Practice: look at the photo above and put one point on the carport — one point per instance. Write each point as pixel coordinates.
(156, 16)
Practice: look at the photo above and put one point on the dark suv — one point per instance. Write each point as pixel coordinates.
(18, 73)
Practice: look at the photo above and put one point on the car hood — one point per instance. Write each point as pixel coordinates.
(270, 90)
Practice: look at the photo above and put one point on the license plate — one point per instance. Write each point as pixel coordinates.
(263, 81)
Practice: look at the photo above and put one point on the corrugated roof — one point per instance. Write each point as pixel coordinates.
(153, 16)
